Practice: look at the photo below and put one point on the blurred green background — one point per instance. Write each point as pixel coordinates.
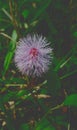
(50, 102)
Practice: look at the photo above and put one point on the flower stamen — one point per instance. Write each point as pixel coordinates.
(34, 52)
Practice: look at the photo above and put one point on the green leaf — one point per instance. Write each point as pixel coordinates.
(7, 97)
(25, 13)
(25, 127)
(75, 34)
(13, 41)
(21, 93)
(71, 100)
(44, 125)
(7, 60)
(10, 53)
(60, 119)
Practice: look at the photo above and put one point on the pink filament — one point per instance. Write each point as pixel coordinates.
(34, 52)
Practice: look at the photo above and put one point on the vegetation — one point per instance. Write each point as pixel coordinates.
(49, 102)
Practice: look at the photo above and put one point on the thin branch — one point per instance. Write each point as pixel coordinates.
(9, 16)
(57, 107)
(68, 126)
(64, 63)
(14, 21)
(17, 85)
(7, 36)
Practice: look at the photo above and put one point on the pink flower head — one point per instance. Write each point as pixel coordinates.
(33, 55)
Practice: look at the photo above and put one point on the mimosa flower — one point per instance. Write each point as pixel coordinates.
(33, 55)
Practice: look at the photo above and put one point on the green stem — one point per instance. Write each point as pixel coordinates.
(69, 74)
(62, 62)
(65, 62)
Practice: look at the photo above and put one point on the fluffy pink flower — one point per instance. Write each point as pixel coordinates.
(33, 55)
